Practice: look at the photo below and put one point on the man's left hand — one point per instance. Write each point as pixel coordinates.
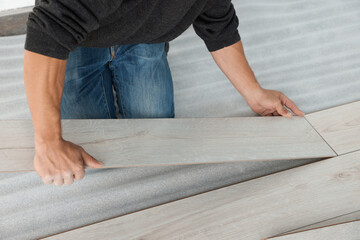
(271, 103)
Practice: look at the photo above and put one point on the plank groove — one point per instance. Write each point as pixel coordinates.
(343, 231)
(348, 217)
(339, 126)
(255, 209)
(149, 142)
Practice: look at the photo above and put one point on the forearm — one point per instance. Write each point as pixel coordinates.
(233, 63)
(44, 82)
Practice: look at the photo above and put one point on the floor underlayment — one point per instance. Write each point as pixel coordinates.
(307, 49)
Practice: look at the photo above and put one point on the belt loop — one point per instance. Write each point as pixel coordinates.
(112, 52)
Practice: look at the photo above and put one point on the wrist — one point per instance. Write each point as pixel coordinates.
(253, 93)
(41, 139)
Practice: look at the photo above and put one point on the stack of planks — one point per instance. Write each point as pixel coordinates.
(314, 201)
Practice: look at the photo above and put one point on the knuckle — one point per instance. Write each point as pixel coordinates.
(58, 176)
(81, 173)
(79, 176)
(47, 182)
(47, 179)
(78, 168)
(67, 173)
(281, 107)
(47, 176)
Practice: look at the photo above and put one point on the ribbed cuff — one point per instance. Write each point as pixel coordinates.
(40, 42)
(218, 44)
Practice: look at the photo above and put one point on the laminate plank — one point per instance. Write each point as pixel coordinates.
(353, 216)
(254, 209)
(13, 22)
(154, 142)
(339, 126)
(343, 231)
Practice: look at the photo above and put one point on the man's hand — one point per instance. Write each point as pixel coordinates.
(271, 103)
(55, 159)
(61, 161)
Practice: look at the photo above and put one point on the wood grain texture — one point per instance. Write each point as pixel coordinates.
(255, 209)
(343, 231)
(339, 126)
(149, 142)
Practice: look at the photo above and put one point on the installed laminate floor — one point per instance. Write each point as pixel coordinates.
(343, 231)
(339, 126)
(255, 209)
(346, 217)
(307, 49)
(154, 142)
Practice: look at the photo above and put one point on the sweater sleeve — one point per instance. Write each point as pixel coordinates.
(56, 27)
(217, 25)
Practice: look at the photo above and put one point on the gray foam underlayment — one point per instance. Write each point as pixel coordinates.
(310, 50)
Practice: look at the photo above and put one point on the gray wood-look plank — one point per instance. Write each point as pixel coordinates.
(256, 209)
(13, 22)
(343, 231)
(348, 217)
(149, 142)
(339, 126)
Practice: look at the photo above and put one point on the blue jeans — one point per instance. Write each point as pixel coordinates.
(139, 74)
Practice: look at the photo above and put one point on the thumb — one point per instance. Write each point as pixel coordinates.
(91, 161)
(283, 111)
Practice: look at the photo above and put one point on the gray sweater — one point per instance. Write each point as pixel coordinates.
(56, 27)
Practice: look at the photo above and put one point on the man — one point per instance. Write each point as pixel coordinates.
(77, 50)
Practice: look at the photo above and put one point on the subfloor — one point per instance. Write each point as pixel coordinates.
(307, 49)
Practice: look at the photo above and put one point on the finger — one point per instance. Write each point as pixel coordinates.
(58, 180)
(283, 111)
(292, 106)
(276, 113)
(48, 179)
(265, 113)
(68, 178)
(79, 174)
(91, 161)
(268, 115)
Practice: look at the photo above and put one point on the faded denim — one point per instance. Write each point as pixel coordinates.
(138, 73)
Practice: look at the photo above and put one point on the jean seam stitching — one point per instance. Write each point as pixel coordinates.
(120, 97)
(172, 89)
(164, 58)
(105, 100)
(158, 63)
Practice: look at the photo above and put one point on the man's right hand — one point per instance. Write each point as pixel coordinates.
(61, 161)
(55, 159)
